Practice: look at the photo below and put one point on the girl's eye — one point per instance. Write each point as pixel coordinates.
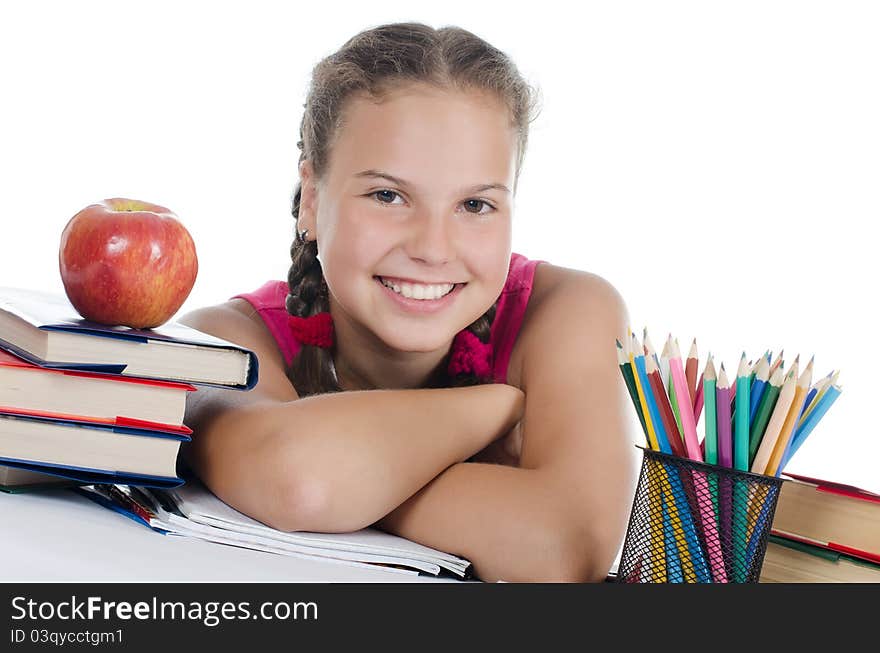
(482, 202)
(387, 192)
(471, 202)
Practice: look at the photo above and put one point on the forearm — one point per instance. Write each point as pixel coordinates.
(357, 455)
(509, 522)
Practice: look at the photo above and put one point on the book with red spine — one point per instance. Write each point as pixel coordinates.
(832, 514)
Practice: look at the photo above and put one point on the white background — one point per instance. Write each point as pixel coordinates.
(718, 163)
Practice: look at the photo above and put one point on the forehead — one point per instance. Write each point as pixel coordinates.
(427, 134)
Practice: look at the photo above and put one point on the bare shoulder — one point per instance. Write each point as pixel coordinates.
(554, 281)
(564, 300)
(238, 322)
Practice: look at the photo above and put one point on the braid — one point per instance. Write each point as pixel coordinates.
(311, 371)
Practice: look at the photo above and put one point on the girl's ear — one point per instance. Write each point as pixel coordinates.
(308, 201)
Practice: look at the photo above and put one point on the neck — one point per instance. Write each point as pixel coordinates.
(364, 363)
(353, 374)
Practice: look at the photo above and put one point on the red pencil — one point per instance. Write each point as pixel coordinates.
(777, 362)
(666, 416)
(690, 372)
(698, 402)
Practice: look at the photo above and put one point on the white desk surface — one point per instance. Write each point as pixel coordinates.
(58, 535)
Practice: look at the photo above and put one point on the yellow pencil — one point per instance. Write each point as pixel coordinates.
(777, 419)
(652, 436)
(803, 387)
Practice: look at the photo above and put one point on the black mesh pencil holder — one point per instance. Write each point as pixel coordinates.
(692, 522)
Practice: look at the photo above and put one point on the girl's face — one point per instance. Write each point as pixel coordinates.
(437, 222)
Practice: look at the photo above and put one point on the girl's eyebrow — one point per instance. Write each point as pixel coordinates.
(400, 182)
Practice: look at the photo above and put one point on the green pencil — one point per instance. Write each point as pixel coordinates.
(711, 425)
(741, 432)
(626, 371)
(669, 385)
(763, 413)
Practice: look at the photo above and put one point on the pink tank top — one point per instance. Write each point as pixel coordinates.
(268, 301)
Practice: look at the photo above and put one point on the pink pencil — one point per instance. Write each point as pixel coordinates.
(685, 407)
(692, 445)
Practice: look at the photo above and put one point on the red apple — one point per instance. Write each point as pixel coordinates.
(127, 262)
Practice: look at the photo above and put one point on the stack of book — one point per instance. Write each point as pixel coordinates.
(823, 532)
(82, 402)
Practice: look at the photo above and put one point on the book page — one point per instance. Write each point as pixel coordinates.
(199, 504)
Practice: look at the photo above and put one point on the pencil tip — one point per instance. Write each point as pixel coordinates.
(619, 346)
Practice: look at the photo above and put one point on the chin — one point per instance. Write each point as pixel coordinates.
(422, 341)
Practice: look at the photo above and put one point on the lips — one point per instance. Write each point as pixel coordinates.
(401, 280)
(420, 292)
(420, 306)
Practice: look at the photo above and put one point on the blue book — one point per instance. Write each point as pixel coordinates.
(45, 329)
(90, 452)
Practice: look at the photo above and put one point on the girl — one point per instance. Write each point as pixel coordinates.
(415, 375)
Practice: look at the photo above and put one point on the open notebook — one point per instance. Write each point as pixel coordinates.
(191, 510)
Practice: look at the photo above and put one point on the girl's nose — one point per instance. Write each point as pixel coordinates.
(431, 239)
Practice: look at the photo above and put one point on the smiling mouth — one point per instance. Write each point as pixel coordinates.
(418, 291)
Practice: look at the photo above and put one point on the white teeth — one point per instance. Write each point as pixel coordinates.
(419, 291)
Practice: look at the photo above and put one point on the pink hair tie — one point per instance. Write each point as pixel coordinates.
(470, 355)
(316, 330)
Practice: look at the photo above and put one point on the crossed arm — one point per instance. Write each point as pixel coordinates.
(561, 515)
(341, 461)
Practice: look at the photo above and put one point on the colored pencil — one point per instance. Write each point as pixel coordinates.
(685, 408)
(653, 414)
(692, 446)
(741, 432)
(762, 375)
(665, 410)
(698, 402)
(690, 373)
(821, 387)
(649, 346)
(722, 408)
(797, 404)
(830, 396)
(765, 409)
(664, 369)
(739, 533)
(778, 362)
(626, 371)
(725, 459)
(680, 527)
(652, 437)
(655, 518)
(711, 425)
(777, 420)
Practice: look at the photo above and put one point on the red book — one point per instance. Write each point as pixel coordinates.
(28, 389)
(837, 516)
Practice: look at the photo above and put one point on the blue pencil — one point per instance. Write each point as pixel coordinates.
(673, 562)
(816, 389)
(830, 396)
(762, 376)
(653, 411)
